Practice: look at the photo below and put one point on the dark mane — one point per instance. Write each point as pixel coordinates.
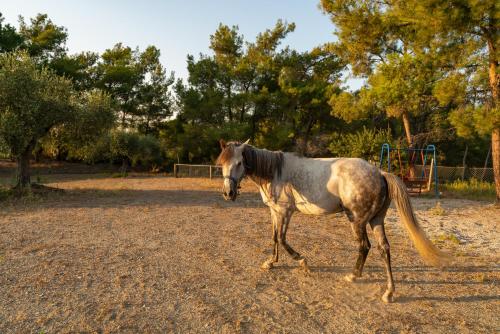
(261, 163)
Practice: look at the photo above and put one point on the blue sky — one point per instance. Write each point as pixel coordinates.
(176, 27)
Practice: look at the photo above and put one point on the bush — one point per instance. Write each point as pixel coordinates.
(196, 143)
(135, 149)
(364, 144)
(471, 189)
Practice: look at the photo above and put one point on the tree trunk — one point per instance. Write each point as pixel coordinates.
(23, 170)
(229, 103)
(495, 135)
(242, 112)
(486, 163)
(124, 167)
(406, 124)
(495, 154)
(464, 161)
(306, 136)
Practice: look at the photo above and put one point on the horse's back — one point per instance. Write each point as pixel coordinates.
(328, 185)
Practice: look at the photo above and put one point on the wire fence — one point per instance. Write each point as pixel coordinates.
(445, 174)
(187, 170)
(450, 174)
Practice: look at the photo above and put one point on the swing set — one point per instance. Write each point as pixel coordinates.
(405, 160)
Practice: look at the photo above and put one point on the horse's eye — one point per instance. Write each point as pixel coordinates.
(239, 164)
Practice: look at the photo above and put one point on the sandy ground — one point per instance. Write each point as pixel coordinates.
(156, 254)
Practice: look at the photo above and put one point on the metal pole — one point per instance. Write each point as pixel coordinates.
(435, 172)
(486, 164)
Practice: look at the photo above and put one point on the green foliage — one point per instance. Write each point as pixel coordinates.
(422, 59)
(43, 40)
(80, 68)
(84, 138)
(361, 144)
(135, 148)
(473, 121)
(198, 143)
(280, 97)
(138, 85)
(32, 102)
(451, 90)
(10, 40)
(351, 107)
(470, 189)
(403, 84)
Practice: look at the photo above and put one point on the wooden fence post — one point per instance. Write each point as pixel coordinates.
(431, 175)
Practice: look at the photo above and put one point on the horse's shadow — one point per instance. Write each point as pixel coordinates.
(456, 299)
(408, 269)
(366, 279)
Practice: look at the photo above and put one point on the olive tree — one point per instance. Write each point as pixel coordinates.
(34, 102)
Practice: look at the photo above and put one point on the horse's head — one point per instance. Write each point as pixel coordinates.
(233, 168)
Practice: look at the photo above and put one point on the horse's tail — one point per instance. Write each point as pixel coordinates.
(429, 252)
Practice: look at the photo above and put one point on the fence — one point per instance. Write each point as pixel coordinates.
(445, 174)
(449, 174)
(186, 170)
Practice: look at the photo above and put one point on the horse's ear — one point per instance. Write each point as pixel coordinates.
(222, 143)
(247, 142)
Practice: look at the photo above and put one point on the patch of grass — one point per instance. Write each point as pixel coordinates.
(470, 189)
(438, 210)
(451, 238)
(5, 193)
(33, 194)
(118, 175)
(41, 179)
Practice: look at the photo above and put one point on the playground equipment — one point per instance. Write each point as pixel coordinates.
(407, 171)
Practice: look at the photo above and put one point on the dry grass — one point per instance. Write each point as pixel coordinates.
(470, 189)
(156, 255)
(438, 210)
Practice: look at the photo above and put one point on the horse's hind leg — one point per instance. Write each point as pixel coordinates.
(359, 230)
(377, 225)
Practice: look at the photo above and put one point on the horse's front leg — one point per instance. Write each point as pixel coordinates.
(268, 264)
(281, 219)
(286, 216)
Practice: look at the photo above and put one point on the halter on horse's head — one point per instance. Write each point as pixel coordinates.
(233, 168)
(241, 159)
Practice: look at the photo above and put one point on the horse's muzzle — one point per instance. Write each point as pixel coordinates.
(229, 189)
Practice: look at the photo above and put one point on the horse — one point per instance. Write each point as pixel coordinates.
(288, 183)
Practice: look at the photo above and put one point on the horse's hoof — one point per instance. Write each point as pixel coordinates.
(350, 278)
(267, 265)
(303, 264)
(387, 297)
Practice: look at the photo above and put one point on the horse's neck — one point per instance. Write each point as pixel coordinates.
(263, 185)
(260, 182)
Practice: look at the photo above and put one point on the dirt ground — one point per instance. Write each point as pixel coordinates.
(158, 254)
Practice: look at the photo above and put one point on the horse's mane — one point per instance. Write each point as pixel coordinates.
(261, 163)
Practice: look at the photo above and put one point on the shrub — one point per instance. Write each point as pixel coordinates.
(365, 143)
(471, 189)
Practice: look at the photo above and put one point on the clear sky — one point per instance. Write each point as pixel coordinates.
(176, 27)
